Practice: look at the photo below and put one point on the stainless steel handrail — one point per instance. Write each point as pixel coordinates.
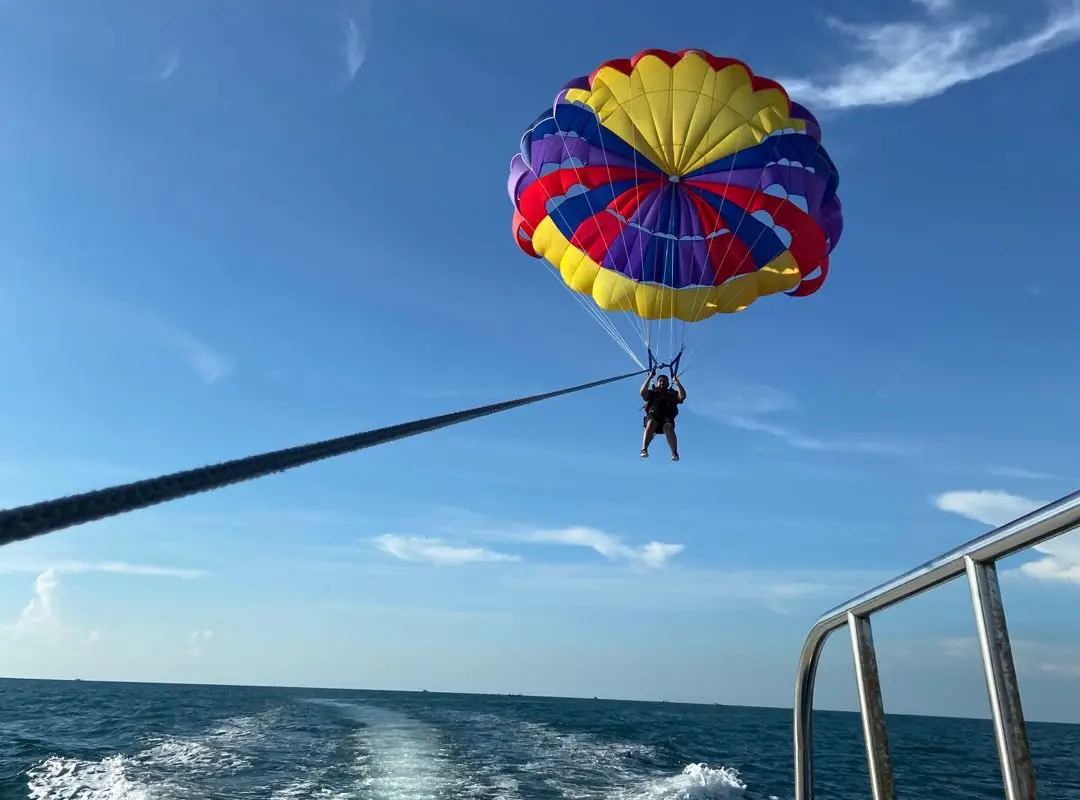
(977, 560)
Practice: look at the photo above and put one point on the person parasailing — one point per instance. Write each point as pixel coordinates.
(661, 407)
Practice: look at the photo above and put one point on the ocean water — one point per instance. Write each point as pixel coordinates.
(85, 741)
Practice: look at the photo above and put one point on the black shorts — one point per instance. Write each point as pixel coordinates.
(661, 420)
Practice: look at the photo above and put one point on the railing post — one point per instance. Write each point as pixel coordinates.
(871, 707)
(804, 713)
(1010, 730)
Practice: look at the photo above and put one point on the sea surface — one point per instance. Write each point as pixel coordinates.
(84, 741)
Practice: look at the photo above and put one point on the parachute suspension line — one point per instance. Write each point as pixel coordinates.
(606, 324)
(593, 310)
(640, 325)
(699, 304)
(646, 322)
(598, 313)
(26, 522)
(667, 310)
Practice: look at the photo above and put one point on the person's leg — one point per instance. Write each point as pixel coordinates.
(650, 432)
(672, 440)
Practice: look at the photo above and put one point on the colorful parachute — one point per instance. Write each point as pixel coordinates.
(676, 186)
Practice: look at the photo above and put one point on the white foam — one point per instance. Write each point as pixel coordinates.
(569, 759)
(575, 765)
(570, 765)
(401, 759)
(695, 782)
(127, 777)
(309, 788)
(58, 778)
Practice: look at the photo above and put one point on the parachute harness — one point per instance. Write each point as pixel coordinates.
(671, 366)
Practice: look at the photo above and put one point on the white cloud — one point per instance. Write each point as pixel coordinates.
(652, 554)
(904, 62)
(1059, 559)
(462, 527)
(985, 506)
(40, 611)
(357, 29)
(197, 640)
(645, 576)
(437, 551)
(744, 406)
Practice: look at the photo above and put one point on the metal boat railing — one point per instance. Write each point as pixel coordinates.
(977, 559)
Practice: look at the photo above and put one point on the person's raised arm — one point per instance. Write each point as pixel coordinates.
(679, 388)
(645, 386)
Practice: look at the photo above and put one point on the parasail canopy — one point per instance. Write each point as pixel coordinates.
(671, 187)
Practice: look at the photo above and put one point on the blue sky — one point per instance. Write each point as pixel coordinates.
(232, 230)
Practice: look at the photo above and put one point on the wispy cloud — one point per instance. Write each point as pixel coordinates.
(1059, 558)
(652, 554)
(627, 574)
(752, 408)
(936, 6)
(904, 62)
(1054, 659)
(63, 299)
(172, 64)
(437, 551)
(1021, 474)
(1068, 669)
(804, 442)
(452, 545)
(689, 588)
(357, 29)
(957, 646)
(124, 568)
(210, 365)
(113, 567)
